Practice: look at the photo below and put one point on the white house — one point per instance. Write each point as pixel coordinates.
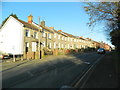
(11, 37)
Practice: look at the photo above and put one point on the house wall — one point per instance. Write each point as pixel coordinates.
(33, 44)
(12, 37)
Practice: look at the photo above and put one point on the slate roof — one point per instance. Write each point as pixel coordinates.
(26, 24)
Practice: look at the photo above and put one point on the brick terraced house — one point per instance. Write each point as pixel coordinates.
(32, 41)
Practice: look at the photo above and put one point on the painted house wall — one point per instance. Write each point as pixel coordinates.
(12, 37)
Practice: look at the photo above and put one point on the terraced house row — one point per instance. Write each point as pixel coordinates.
(32, 41)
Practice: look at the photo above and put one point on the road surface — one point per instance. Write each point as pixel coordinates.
(55, 73)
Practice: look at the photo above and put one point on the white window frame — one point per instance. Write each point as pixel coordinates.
(34, 46)
(43, 44)
(28, 35)
(68, 38)
(58, 45)
(27, 44)
(55, 35)
(68, 46)
(43, 34)
(49, 35)
(65, 38)
(50, 45)
(58, 36)
(62, 37)
(36, 36)
(54, 44)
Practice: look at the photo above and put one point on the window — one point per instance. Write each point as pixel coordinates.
(58, 36)
(65, 46)
(49, 35)
(43, 44)
(65, 38)
(77, 46)
(34, 46)
(68, 46)
(62, 38)
(68, 38)
(79, 40)
(49, 45)
(54, 44)
(55, 35)
(27, 33)
(27, 45)
(43, 34)
(59, 45)
(74, 40)
(36, 35)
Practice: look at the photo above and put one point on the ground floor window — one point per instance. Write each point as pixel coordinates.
(34, 46)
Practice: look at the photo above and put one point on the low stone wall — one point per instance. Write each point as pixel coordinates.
(30, 55)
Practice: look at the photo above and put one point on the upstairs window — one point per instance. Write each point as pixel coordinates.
(55, 35)
(65, 38)
(43, 34)
(49, 45)
(62, 38)
(68, 38)
(36, 35)
(77, 40)
(74, 40)
(27, 33)
(49, 35)
(58, 36)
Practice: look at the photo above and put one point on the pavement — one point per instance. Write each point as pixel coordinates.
(106, 74)
(10, 64)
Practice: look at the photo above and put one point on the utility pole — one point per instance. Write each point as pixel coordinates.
(39, 20)
(14, 54)
(40, 43)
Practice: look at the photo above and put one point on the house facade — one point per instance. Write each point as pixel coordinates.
(32, 41)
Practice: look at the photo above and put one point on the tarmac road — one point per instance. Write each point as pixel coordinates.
(55, 73)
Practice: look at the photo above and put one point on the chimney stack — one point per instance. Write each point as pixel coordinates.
(59, 30)
(52, 28)
(30, 19)
(43, 23)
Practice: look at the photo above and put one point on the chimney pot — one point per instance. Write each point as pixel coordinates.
(30, 19)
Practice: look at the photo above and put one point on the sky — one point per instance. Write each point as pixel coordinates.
(69, 17)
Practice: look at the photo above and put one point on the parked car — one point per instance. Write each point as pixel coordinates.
(101, 51)
(2, 56)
